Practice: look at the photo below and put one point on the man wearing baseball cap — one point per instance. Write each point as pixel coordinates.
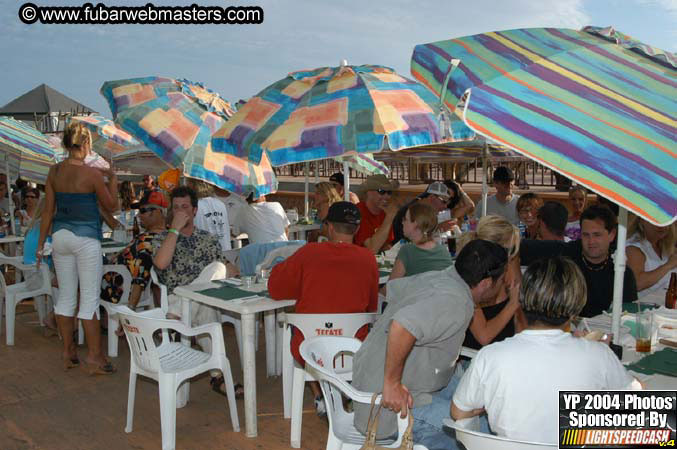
(339, 183)
(378, 211)
(437, 195)
(138, 255)
(504, 202)
(329, 277)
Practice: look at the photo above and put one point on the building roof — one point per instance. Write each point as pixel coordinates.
(42, 100)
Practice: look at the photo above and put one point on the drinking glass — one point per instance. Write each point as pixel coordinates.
(645, 334)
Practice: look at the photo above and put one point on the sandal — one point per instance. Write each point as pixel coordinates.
(71, 363)
(104, 369)
(218, 382)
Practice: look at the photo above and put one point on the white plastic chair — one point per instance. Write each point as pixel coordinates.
(294, 377)
(319, 352)
(476, 440)
(276, 255)
(164, 303)
(170, 363)
(15, 293)
(145, 301)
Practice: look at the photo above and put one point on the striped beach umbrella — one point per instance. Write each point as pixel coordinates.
(594, 105)
(26, 151)
(176, 119)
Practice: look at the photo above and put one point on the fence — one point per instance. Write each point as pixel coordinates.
(527, 172)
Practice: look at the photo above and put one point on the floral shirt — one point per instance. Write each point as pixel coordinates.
(192, 254)
(138, 258)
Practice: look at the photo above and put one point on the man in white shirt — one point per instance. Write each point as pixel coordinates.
(504, 202)
(262, 221)
(516, 380)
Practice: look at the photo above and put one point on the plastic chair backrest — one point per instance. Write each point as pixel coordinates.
(277, 255)
(139, 331)
(123, 271)
(232, 255)
(476, 440)
(331, 324)
(164, 302)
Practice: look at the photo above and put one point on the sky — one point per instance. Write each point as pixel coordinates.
(238, 61)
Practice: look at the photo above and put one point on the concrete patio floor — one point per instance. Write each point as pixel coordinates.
(43, 407)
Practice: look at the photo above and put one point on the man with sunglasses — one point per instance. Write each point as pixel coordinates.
(329, 277)
(138, 255)
(378, 212)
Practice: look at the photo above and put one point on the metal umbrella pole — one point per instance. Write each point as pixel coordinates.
(305, 190)
(485, 186)
(346, 181)
(619, 275)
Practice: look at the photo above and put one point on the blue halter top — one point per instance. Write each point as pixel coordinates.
(79, 213)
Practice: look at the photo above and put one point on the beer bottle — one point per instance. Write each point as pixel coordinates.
(671, 294)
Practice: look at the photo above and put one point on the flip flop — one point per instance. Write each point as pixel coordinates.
(217, 382)
(71, 363)
(104, 369)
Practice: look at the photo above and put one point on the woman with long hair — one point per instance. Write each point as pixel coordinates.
(652, 255)
(578, 197)
(503, 317)
(127, 196)
(422, 254)
(325, 195)
(527, 210)
(72, 195)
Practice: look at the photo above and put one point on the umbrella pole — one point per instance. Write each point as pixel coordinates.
(305, 190)
(9, 192)
(619, 274)
(346, 181)
(316, 168)
(485, 186)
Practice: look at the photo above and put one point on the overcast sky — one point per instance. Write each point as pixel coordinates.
(240, 60)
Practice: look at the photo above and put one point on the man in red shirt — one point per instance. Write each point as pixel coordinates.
(329, 277)
(378, 212)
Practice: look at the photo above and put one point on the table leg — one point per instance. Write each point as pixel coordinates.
(183, 393)
(269, 326)
(249, 369)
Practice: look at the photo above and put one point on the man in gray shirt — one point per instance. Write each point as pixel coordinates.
(503, 202)
(410, 353)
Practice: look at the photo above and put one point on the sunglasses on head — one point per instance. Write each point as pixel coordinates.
(384, 192)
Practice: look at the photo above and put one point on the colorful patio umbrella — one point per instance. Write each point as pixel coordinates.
(92, 160)
(452, 151)
(26, 151)
(601, 111)
(327, 112)
(108, 139)
(594, 105)
(176, 120)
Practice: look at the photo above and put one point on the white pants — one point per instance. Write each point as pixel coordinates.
(200, 314)
(77, 259)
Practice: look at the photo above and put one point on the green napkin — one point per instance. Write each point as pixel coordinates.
(663, 362)
(226, 292)
(631, 307)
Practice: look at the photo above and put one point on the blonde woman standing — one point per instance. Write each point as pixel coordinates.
(73, 193)
(501, 318)
(422, 254)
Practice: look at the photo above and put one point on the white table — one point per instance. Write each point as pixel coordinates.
(652, 382)
(297, 232)
(11, 239)
(247, 310)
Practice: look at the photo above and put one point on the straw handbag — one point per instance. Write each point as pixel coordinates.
(407, 442)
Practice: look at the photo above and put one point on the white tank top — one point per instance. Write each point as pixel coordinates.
(652, 262)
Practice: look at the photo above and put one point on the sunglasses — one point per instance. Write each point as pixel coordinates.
(30, 196)
(145, 210)
(384, 192)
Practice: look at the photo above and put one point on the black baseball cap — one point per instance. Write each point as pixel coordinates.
(337, 178)
(344, 212)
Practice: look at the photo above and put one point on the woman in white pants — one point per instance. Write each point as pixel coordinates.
(73, 193)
